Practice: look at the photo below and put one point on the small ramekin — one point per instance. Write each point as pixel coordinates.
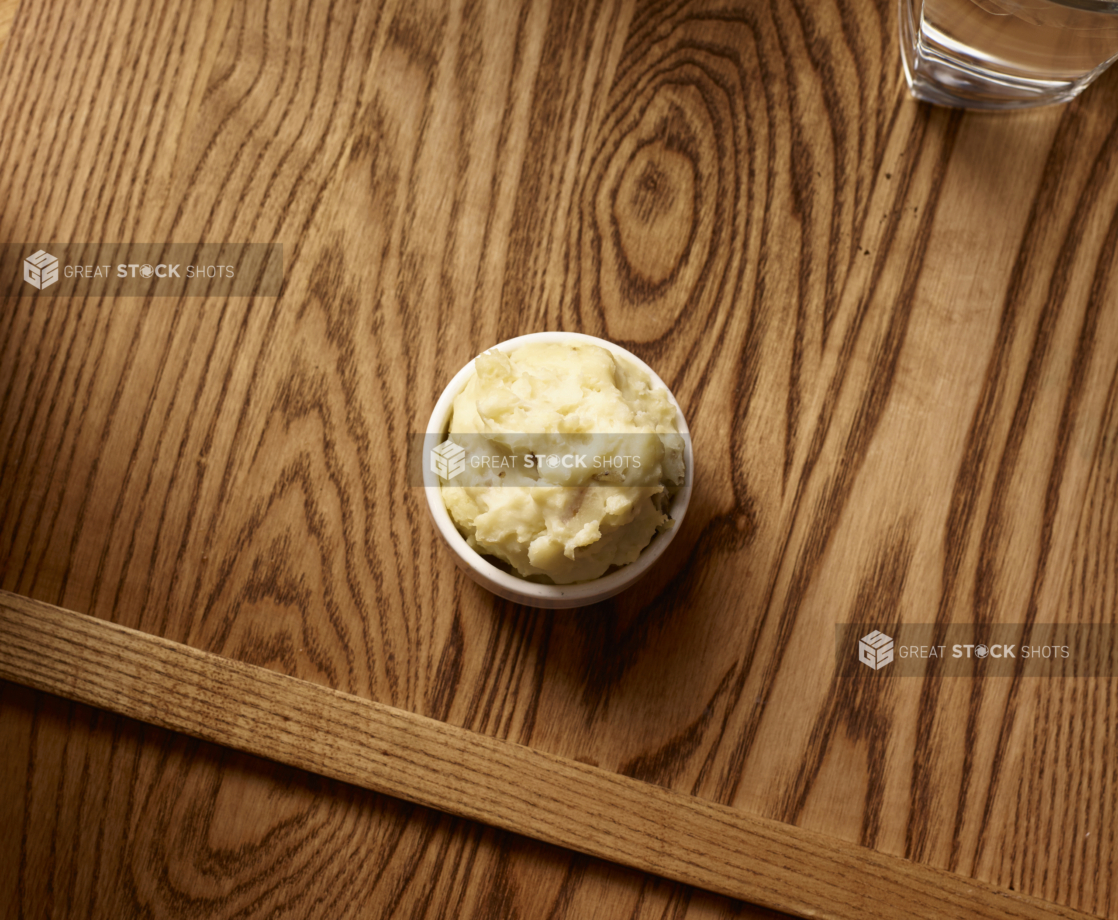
(520, 590)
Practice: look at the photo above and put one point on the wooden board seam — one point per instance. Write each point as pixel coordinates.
(422, 760)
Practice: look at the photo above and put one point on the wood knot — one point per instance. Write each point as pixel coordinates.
(654, 211)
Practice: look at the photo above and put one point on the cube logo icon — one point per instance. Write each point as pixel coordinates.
(40, 269)
(875, 650)
(448, 460)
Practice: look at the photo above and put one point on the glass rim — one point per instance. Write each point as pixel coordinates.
(1089, 6)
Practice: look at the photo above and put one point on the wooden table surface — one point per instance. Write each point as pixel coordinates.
(893, 329)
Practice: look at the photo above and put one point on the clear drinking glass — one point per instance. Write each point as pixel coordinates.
(1004, 54)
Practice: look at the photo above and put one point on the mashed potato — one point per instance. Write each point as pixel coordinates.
(572, 458)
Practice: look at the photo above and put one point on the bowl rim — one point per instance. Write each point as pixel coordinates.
(513, 587)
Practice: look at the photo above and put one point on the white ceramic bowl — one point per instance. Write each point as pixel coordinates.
(511, 587)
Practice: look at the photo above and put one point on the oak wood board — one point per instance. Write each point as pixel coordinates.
(422, 760)
(892, 329)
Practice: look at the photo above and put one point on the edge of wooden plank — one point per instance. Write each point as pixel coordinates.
(507, 785)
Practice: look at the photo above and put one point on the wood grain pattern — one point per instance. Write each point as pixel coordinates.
(7, 14)
(892, 328)
(468, 774)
